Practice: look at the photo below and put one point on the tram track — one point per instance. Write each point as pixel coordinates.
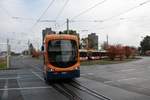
(63, 88)
(85, 89)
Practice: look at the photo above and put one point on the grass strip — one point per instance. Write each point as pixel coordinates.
(3, 65)
(106, 61)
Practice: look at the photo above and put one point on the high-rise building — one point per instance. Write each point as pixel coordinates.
(84, 43)
(47, 31)
(93, 41)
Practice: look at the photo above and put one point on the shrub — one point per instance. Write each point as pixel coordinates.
(128, 51)
(116, 51)
(120, 52)
(111, 52)
(134, 52)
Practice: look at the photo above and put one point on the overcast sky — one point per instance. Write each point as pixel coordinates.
(125, 21)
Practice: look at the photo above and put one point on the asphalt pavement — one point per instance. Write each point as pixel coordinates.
(124, 81)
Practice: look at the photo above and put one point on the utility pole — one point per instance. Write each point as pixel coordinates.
(107, 40)
(28, 47)
(67, 26)
(8, 54)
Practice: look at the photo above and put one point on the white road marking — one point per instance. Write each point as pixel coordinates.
(82, 74)
(18, 83)
(126, 70)
(108, 82)
(127, 79)
(5, 93)
(90, 73)
(37, 75)
(25, 88)
(37, 68)
(86, 74)
(9, 78)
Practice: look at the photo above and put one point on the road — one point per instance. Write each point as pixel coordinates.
(125, 81)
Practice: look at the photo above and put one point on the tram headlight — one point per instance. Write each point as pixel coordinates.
(76, 68)
(51, 70)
